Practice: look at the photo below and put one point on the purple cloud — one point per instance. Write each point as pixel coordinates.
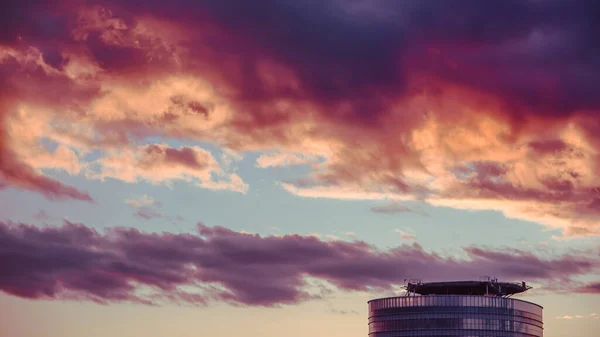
(78, 263)
(591, 288)
(148, 213)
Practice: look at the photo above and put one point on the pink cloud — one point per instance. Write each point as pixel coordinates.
(160, 163)
(14, 170)
(155, 156)
(279, 159)
(17, 174)
(415, 111)
(76, 262)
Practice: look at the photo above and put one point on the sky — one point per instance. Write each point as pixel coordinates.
(191, 168)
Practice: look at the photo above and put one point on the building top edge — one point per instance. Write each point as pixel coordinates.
(412, 296)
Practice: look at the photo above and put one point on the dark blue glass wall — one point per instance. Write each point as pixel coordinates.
(454, 316)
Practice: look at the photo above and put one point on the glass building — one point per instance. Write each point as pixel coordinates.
(446, 311)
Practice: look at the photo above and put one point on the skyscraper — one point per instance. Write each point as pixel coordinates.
(456, 309)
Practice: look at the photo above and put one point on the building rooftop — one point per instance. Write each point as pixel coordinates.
(490, 287)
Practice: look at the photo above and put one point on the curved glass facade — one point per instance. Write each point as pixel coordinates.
(454, 316)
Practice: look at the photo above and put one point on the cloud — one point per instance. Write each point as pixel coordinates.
(29, 125)
(405, 235)
(148, 208)
(401, 100)
(160, 163)
(592, 315)
(348, 192)
(344, 312)
(141, 201)
(42, 215)
(76, 262)
(19, 175)
(145, 207)
(148, 213)
(14, 170)
(591, 288)
(396, 208)
(278, 159)
(393, 208)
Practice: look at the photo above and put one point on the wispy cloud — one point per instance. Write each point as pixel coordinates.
(146, 207)
(281, 159)
(569, 317)
(344, 312)
(397, 208)
(405, 235)
(324, 236)
(42, 215)
(141, 201)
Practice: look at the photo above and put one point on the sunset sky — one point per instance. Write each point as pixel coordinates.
(264, 168)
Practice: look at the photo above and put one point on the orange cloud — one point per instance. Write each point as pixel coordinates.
(422, 112)
(160, 163)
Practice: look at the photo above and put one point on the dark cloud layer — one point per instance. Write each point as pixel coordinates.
(76, 262)
(362, 51)
(366, 51)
